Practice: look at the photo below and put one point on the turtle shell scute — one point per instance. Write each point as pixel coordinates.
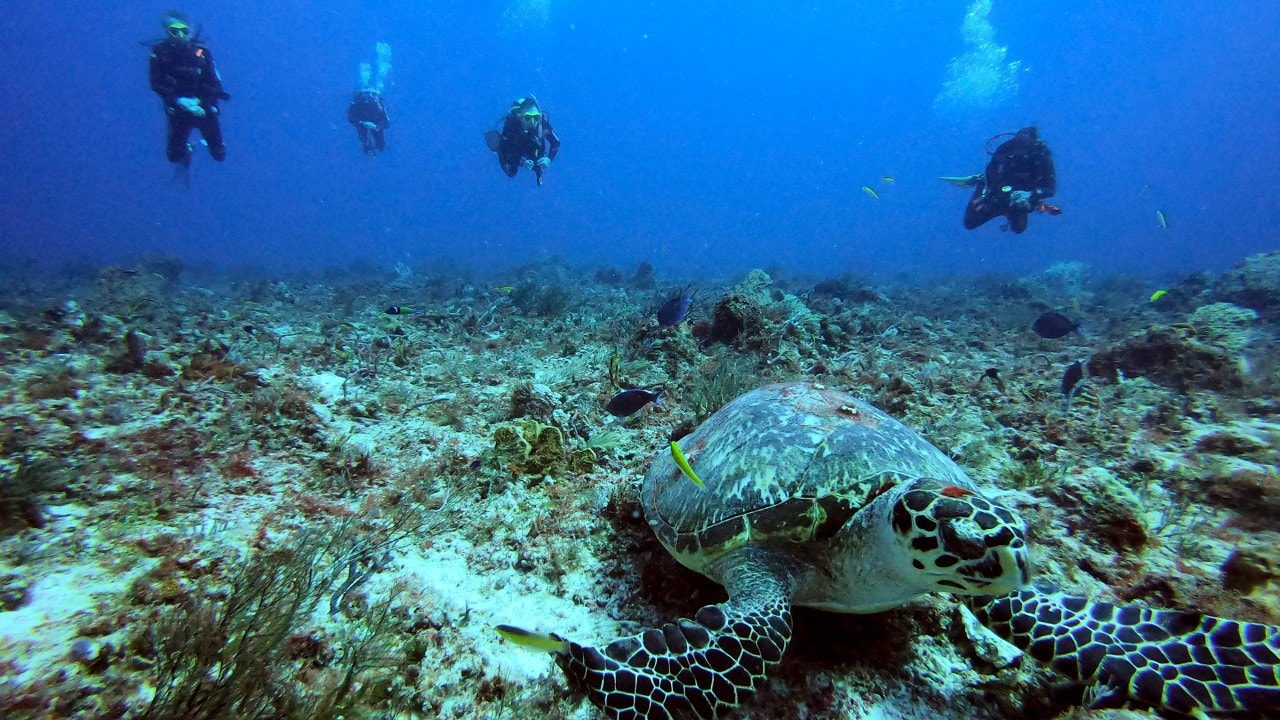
(787, 463)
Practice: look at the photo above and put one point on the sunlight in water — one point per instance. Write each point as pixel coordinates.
(528, 14)
(980, 78)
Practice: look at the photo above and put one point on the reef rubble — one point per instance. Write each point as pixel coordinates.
(266, 496)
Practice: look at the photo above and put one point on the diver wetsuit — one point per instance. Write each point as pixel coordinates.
(517, 143)
(181, 69)
(1022, 163)
(367, 107)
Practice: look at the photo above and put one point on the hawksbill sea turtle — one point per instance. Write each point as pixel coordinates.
(811, 497)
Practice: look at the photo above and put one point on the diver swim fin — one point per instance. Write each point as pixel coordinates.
(964, 180)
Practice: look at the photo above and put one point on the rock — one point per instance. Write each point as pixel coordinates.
(988, 647)
(582, 461)
(1170, 356)
(547, 452)
(1234, 444)
(1223, 325)
(737, 319)
(1252, 491)
(1065, 277)
(510, 445)
(1253, 570)
(1262, 406)
(83, 651)
(536, 401)
(644, 278)
(1254, 283)
(1100, 506)
(757, 316)
(14, 592)
(529, 447)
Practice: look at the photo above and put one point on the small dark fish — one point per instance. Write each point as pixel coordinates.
(674, 310)
(401, 310)
(1053, 325)
(994, 375)
(475, 465)
(1071, 378)
(628, 402)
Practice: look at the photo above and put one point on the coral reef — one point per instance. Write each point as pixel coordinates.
(1223, 325)
(1102, 509)
(1253, 570)
(181, 450)
(526, 446)
(1172, 356)
(1253, 283)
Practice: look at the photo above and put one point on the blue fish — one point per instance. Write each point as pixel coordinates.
(629, 402)
(674, 310)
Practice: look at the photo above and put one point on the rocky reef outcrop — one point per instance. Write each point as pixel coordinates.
(1253, 283)
(1173, 356)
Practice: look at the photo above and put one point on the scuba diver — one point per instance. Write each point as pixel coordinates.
(183, 75)
(527, 139)
(367, 111)
(1016, 183)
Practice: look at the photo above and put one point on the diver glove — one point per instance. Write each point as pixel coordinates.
(527, 164)
(544, 162)
(191, 105)
(1020, 199)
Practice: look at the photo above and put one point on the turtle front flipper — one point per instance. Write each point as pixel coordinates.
(687, 669)
(1186, 662)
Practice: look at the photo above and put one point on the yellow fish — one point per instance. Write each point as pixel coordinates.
(531, 640)
(683, 464)
(867, 189)
(506, 288)
(1158, 294)
(887, 178)
(1164, 221)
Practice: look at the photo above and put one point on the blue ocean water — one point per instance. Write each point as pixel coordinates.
(704, 137)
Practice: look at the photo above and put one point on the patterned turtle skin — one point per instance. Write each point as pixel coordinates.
(815, 498)
(1183, 662)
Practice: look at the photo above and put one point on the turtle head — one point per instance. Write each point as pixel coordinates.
(959, 541)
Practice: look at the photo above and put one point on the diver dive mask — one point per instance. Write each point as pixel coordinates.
(530, 119)
(178, 30)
